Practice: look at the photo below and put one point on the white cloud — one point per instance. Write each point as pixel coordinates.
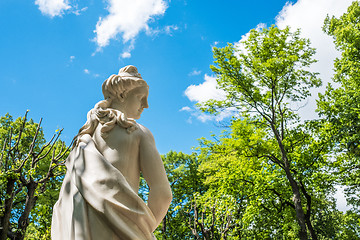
(195, 72)
(77, 11)
(226, 113)
(340, 199)
(53, 8)
(91, 73)
(170, 29)
(309, 15)
(152, 31)
(127, 49)
(204, 117)
(186, 109)
(128, 18)
(239, 44)
(126, 55)
(72, 58)
(205, 91)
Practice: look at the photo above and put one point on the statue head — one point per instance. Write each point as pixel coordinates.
(126, 91)
(117, 86)
(125, 98)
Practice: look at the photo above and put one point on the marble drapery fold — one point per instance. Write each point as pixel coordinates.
(96, 202)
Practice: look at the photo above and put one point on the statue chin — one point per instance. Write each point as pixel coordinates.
(135, 116)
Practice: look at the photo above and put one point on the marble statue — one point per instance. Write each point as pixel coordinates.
(99, 196)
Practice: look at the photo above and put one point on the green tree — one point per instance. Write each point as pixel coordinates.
(185, 182)
(234, 168)
(182, 172)
(261, 81)
(341, 105)
(192, 214)
(237, 167)
(30, 176)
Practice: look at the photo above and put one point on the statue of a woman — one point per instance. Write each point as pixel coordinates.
(99, 196)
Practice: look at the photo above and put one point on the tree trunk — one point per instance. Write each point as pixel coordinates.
(311, 229)
(298, 206)
(23, 221)
(164, 227)
(308, 212)
(300, 216)
(5, 220)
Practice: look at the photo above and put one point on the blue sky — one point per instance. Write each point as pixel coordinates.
(55, 54)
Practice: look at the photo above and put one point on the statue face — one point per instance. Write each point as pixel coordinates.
(135, 102)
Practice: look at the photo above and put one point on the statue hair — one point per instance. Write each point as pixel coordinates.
(115, 87)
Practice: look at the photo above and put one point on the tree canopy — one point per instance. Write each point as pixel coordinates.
(31, 173)
(340, 105)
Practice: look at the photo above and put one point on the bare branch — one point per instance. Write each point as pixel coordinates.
(60, 156)
(36, 157)
(61, 151)
(8, 153)
(22, 164)
(273, 159)
(54, 163)
(32, 145)
(3, 151)
(21, 130)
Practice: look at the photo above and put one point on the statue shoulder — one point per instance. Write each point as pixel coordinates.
(145, 133)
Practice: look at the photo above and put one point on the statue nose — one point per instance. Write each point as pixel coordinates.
(145, 104)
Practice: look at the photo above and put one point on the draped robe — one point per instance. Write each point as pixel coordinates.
(96, 202)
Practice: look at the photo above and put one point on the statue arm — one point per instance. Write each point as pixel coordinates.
(153, 170)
